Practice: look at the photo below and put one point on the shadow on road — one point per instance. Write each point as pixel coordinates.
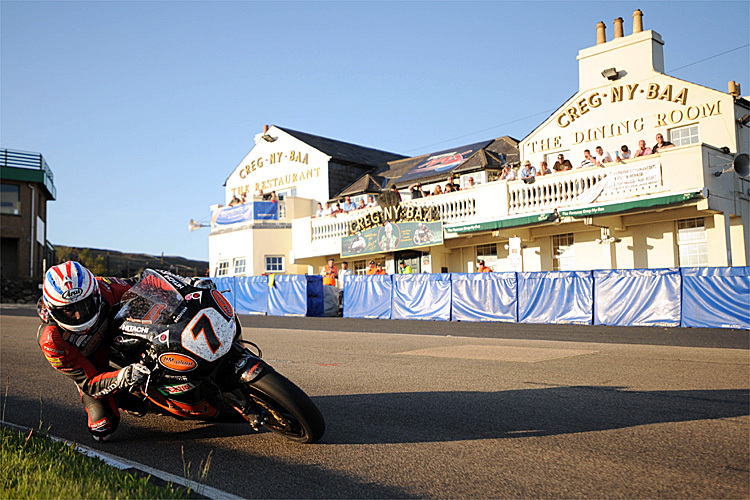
(455, 416)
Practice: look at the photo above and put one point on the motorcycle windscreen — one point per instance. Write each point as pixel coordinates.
(422, 296)
(557, 297)
(716, 297)
(368, 296)
(637, 297)
(288, 295)
(484, 297)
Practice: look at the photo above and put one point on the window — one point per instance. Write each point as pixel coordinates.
(485, 251)
(684, 135)
(359, 266)
(563, 252)
(239, 265)
(274, 264)
(692, 242)
(10, 199)
(223, 268)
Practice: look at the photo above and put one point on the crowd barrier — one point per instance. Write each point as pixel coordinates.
(688, 297)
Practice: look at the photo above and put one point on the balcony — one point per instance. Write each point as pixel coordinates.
(28, 167)
(676, 175)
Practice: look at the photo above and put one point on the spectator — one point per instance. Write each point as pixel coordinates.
(471, 182)
(602, 156)
(623, 154)
(562, 164)
(274, 199)
(438, 190)
(528, 172)
(481, 268)
(395, 190)
(379, 269)
(235, 201)
(416, 191)
(319, 211)
(244, 197)
(543, 169)
(327, 211)
(588, 160)
(337, 209)
(343, 273)
(330, 273)
(371, 202)
(642, 149)
(448, 188)
(349, 204)
(508, 174)
(361, 204)
(455, 186)
(371, 268)
(661, 144)
(403, 268)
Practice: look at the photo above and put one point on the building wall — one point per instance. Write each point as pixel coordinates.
(24, 233)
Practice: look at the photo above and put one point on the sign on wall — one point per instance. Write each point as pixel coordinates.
(392, 236)
(257, 210)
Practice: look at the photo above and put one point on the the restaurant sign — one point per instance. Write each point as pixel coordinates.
(392, 236)
(395, 213)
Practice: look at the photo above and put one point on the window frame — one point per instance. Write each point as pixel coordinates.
(235, 266)
(562, 262)
(681, 142)
(17, 202)
(222, 268)
(272, 267)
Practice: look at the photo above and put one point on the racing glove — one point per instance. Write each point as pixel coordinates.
(132, 376)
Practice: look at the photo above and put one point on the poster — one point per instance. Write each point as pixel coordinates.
(392, 236)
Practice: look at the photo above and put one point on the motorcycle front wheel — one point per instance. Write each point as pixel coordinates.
(288, 411)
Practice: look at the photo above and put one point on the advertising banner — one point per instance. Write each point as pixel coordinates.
(392, 236)
(257, 210)
(443, 162)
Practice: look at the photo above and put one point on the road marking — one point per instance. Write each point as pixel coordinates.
(123, 464)
(500, 353)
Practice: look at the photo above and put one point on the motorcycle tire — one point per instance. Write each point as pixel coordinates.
(289, 411)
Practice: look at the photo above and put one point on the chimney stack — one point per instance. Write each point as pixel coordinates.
(618, 28)
(601, 37)
(637, 21)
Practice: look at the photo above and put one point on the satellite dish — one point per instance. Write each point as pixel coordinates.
(741, 164)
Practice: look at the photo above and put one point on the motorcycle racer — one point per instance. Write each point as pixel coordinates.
(76, 309)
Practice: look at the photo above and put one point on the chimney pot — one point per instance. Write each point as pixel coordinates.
(618, 28)
(734, 88)
(637, 21)
(265, 129)
(601, 37)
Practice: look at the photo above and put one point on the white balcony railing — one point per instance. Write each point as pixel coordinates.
(675, 170)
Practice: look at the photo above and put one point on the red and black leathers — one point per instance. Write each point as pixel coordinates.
(85, 359)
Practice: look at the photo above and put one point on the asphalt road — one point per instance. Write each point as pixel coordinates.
(441, 410)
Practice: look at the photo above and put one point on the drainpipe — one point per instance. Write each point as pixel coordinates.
(32, 241)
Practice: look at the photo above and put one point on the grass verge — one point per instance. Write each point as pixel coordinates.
(36, 467)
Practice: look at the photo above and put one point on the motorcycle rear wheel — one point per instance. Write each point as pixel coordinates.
(288, 410)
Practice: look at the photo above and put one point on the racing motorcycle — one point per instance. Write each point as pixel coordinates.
(187, 334)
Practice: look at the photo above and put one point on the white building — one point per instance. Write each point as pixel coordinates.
(672, 208)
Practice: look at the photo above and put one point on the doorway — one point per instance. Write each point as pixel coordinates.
(410, 258)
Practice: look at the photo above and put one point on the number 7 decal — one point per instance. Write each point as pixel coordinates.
(204, 326)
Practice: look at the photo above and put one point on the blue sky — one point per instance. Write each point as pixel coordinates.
(143, 109)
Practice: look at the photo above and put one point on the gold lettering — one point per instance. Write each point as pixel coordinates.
(695, 109)
(660, 119)
(377, 218)
(560, 118)
(681, 97)
(578, 137)
(572, 114)
(666, 94)
(304, 159)
(675, 116)
(708, 109)
(243, 174)
(653, 91)
(631, 91)
(294, 177)
(638, 124)
(594, 100)
(582, 106)
(617, 94)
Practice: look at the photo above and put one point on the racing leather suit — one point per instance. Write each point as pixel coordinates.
(85, 359)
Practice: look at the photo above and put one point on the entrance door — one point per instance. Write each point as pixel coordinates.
(410, 258)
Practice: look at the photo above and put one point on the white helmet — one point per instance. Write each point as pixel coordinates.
(71, 294)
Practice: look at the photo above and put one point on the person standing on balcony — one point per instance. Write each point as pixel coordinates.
(588, 160)
(623, 154)
(395, 190)
(661, 144)
(349, 204)
(379, 269)
(403, 268)
(528, 172)
(327, 211)
(642, 149)
(482, 268)
(371, 268)
(330, 273)
(438, 190)
(602, 156)
(471, 183)
(361, 204)
(543, 169)
(319, 211)
(562, 164)
(416, 191)
(371, 202)
(508, 174)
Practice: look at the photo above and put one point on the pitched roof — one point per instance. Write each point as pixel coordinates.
(365, 184)
(344, 151)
